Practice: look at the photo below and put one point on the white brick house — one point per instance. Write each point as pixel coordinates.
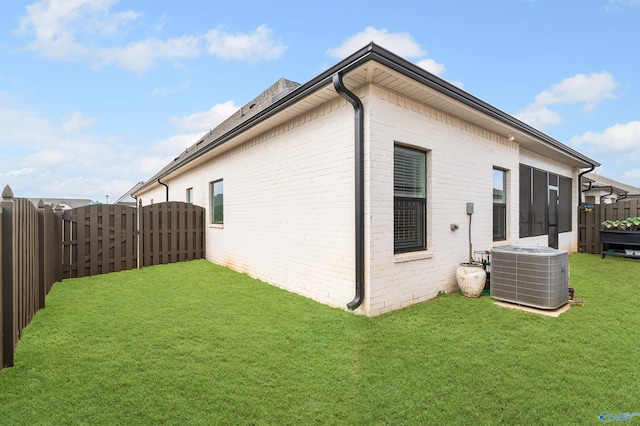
(289, 203)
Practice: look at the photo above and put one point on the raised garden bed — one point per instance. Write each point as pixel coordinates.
(620, 243)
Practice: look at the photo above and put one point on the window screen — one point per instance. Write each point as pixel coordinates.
(540, 202)
(534, 201)
(565, 212)
(526, 210)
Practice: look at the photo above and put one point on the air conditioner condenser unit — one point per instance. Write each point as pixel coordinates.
(532, 276)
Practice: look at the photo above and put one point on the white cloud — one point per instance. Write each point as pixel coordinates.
(160, 92)
(142, 55)
(88, 30)
(64, 156)
(59, 157)
(632, 175)
(585, 89)
(76, 121)
(19, 172)
(251, 47)
(55, 24)
(539, 117)
(160, 153)
(401, 44)
(93, 188)
(431, 66)
(47, 157)
(620, 138)
(616, 4)
(205, 120)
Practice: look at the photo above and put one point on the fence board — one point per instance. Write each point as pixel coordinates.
(6, 305)
(50, 251)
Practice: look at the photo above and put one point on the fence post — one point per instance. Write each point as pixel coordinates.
(59, 242)
(6, 293)
(42, 254)
(3, 265)
(138, 234)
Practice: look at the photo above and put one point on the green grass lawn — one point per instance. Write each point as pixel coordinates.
(195, 343)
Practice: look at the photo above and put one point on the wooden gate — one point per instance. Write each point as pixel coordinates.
(101, 238)
(171, 232)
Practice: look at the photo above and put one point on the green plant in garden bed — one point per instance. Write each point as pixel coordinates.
(628, 224)
(195, 343)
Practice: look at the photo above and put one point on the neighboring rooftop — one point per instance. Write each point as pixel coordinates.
(127, 198)
(598, 181)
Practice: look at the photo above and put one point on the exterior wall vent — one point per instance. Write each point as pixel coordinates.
(532, 276)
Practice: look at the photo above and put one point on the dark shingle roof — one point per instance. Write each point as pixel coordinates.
(600, 181)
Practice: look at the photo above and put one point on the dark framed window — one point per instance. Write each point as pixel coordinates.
(499, 205)
(409, 199)
(534, 201)
(189, 197)
(217, 201)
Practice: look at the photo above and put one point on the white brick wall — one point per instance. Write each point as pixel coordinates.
(461, 158)
(289, 201)
(288, 205)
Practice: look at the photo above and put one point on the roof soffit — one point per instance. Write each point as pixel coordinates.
(382, 76)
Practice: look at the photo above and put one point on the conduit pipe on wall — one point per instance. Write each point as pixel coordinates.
(359, 186)
(166, 186)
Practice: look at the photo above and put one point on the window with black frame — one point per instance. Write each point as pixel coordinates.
(499, 205)
(217, 202)
(410, 194)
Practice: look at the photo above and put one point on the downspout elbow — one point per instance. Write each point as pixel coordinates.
(606, 195)
(359, 187)
(167, 189)
(593, 166)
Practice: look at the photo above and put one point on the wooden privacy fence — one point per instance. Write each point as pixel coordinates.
(590, 221)
(99, 239)
(41, 246)
(172, 232)
(30, 264)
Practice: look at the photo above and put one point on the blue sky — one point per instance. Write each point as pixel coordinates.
(96, 95)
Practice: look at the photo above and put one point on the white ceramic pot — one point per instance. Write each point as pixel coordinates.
(471, 279)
